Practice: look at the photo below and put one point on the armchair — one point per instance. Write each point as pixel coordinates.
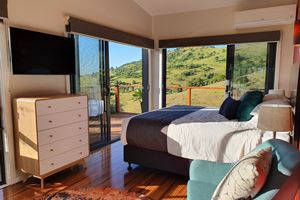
(206, 175)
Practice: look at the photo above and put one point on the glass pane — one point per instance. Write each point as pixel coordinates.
(196, 76)
(126, 83)
(88, 83)
(126, 77)
(249, 68)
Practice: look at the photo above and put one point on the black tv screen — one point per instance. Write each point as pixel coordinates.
(40, 53)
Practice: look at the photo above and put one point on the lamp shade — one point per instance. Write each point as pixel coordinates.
(275, 117)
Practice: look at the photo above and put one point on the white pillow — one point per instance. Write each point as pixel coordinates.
(277, 91)
(269, 97)
(246, 178)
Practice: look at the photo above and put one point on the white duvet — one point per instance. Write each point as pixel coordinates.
(207, 135)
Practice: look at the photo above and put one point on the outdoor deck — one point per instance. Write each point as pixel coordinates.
(116, 122)
(116, 125)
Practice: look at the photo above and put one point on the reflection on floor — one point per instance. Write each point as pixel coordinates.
(105, 168)
(116, 124)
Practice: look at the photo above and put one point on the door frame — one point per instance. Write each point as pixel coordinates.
(145, 80)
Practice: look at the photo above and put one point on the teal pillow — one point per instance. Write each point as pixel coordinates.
(248, 102)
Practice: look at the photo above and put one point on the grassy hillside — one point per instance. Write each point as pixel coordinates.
(193, 66)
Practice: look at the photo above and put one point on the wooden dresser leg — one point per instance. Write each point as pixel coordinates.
(83, 163)
(42, 183)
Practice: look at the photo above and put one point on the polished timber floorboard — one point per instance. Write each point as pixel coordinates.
(105, 168)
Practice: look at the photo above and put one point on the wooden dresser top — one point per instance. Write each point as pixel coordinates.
(40, 98)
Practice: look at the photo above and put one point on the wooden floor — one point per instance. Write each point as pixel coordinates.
(105, 168)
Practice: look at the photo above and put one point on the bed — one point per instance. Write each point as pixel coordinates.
(169, 138)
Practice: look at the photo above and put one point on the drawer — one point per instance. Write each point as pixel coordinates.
(44, 107)
(62, 132)
(60, 119)
(59, 147)
(61, 160)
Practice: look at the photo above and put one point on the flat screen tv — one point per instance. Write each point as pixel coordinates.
(40, 53)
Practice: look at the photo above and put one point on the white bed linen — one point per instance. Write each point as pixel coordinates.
(207, 135)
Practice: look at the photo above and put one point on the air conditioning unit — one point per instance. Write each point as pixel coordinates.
(271, 16)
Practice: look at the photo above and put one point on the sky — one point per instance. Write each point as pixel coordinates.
(119, 54)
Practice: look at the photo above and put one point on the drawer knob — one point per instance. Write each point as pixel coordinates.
(51, 136)
(79, 128)
(49, 106)
(52, 164)
(80, 140)
(79, 115)
(79, 102)
(80, 153)
(50, 121)
(51, 150)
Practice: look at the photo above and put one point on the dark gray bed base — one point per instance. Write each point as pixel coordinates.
(156, 159)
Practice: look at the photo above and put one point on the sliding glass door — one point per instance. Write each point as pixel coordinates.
(92, 79)
(115, 78)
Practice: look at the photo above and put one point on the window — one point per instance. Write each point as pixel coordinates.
(125, 78)
(250, 66)
(196, 76)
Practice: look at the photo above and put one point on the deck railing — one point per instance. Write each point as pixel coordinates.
(116, 90)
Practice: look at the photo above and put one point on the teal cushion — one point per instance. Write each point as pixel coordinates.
(197, 190)
(248, 102)
(202, 170)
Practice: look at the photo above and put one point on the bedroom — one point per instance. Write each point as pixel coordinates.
(158, 22)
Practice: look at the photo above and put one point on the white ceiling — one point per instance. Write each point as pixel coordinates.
(163, 7)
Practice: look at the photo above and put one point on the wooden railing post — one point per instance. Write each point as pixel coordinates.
(189, 96)
(117, 98)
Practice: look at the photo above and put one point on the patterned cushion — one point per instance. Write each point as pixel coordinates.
(246, 178)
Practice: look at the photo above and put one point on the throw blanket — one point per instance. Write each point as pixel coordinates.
(207, 135)
(149, 130)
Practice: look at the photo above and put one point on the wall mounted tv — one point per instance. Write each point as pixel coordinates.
(40, 53)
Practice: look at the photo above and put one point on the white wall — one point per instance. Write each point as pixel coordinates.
(49, 15)
(220, 22)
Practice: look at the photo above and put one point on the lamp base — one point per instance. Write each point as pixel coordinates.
(274, 134)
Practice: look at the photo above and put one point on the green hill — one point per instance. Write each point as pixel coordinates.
(197, 66)
(193, 66)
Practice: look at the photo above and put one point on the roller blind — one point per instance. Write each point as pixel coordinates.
(3, 9)
(88, 28)
(270, 36)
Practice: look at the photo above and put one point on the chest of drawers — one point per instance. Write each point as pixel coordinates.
(51, 133)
